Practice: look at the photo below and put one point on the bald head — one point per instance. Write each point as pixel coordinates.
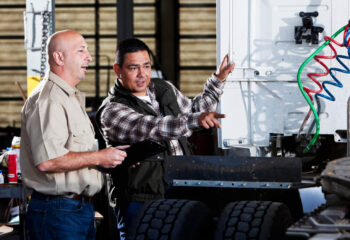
(58, 42)
(68, 56)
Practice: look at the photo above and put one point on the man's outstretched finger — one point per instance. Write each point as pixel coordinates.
(219, 115)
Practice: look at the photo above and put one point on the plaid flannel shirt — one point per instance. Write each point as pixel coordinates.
(122, 124)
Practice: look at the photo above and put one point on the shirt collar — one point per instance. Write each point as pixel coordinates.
(69, 90)
(63, 84)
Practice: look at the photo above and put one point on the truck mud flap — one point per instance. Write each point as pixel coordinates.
(224, 168)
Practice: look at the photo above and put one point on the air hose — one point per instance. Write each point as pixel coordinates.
(306, 95)
(336, 82)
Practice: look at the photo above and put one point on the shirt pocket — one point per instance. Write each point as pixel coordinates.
(79, 139)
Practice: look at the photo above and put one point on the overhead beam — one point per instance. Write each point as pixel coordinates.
(125, 19)
(168, 38)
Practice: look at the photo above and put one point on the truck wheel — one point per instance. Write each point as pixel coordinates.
(258, 220)
(171, 219)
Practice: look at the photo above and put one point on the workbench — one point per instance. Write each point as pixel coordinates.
(17, 191)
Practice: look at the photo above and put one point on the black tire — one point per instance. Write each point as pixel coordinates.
(171, 219)
(253, 220)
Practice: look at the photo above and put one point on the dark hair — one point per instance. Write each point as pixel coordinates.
(127, 46)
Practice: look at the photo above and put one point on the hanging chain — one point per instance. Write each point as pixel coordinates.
(46, 25)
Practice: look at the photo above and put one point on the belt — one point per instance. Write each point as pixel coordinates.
(73, 196)
(79, 197)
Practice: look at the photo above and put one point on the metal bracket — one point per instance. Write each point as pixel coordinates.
(231, 184)
(234, 142)
(308, 27)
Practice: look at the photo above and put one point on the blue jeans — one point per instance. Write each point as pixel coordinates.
(50, 217)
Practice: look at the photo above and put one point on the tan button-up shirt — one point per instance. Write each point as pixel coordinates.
(54, 122)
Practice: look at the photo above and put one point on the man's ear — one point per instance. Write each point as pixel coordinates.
(58, 58)
(116, 69)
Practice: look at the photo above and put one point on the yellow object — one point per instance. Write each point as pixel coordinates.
(32, 82)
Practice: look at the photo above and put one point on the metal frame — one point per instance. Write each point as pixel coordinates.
(97, 54)
(193, 36)
(167, 41)
(231, 184)
(95, 100)
(125, 19)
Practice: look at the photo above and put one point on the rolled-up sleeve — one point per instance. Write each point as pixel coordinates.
(48, 132)
(121, 123)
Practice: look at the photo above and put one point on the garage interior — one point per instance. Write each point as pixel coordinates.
(257, 163)
(181, 35)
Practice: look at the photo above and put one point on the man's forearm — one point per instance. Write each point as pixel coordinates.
(69, 162)
(207, 101)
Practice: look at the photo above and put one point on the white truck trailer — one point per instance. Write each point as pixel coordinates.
(276, 143)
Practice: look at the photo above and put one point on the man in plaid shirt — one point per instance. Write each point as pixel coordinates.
(139, 108)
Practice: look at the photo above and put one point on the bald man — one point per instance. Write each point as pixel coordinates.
(58, 151)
